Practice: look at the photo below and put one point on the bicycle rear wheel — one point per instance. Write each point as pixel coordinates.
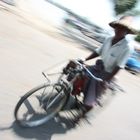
(40, 104)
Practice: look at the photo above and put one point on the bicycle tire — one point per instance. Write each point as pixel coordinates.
(46, 118)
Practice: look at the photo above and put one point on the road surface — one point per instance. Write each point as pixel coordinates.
(24, 53)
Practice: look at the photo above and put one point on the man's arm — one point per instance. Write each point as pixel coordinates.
(93, 55)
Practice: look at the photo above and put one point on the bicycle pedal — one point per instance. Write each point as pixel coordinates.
(99, 103)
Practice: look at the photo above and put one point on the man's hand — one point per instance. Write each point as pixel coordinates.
(81, 61)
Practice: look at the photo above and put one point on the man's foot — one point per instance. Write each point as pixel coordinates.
(81, 112)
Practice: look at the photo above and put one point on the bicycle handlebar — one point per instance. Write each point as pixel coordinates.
(93, 76)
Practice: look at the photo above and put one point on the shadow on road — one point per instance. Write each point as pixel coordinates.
(61, 124)
(46, 131)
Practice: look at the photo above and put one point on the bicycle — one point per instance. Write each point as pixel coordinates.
(45, 101)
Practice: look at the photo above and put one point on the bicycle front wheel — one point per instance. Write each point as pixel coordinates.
(40, 104)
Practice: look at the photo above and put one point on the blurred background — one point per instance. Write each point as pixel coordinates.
(85, 21)
(90, 18)
(37, 35)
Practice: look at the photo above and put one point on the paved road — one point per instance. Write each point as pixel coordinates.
(24, 53)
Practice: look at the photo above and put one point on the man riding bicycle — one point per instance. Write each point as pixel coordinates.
(114, 54)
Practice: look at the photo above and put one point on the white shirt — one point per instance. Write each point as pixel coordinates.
(116, 55)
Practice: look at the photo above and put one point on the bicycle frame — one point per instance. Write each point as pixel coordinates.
(83, 68)
(71, 71)
(62, 73)
(92, 76)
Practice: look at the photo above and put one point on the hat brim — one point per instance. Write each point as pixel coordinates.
(131, 30)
